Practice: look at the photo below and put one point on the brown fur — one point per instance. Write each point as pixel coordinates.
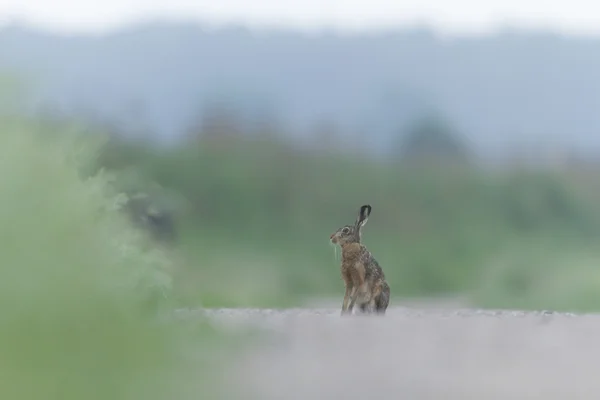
(364, 279)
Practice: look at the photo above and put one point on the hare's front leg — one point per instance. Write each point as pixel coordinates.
(359, 285)
(346, 302)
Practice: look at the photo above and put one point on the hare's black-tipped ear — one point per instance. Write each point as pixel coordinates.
(365, 211)
(363, 215)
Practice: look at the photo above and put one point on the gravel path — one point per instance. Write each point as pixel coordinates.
(418, 353)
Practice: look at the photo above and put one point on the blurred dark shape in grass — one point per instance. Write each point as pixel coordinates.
(150, 217)
(254, 212)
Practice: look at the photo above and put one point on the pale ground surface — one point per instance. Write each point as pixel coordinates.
(417, 352)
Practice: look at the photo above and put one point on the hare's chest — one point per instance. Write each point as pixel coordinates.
(352, 268)
(349, 260)
(351, 253)
(347, 268)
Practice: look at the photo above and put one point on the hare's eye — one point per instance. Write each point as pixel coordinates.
(346, 230)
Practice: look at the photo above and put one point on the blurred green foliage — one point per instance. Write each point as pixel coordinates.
(81, 289)
(253, 216)
(242, 217)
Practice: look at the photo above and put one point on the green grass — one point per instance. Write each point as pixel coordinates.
(552, 273)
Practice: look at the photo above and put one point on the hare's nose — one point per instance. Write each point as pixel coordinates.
(332, 235)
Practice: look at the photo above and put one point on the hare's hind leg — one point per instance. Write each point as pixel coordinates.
(370, 307)
(367, 303)
(383, 300)
(367, 307)
(380, 300)
(380, 310)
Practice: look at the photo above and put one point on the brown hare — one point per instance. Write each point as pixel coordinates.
(364, 279)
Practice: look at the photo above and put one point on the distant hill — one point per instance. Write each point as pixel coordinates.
(512, 88)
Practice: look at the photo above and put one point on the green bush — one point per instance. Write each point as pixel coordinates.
(75, 279)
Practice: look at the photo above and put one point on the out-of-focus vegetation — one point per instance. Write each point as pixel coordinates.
(250, 215)
(80, 287)
(101, 238)
(240, 215)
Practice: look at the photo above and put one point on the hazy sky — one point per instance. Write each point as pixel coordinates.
(448, 16)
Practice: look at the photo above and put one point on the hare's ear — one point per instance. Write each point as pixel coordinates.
(363, 215)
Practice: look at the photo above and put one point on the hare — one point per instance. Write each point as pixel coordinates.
(364, 279)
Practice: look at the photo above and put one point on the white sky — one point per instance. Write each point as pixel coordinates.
(447, 16)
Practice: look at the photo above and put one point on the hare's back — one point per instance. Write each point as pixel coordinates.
(372, 268)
